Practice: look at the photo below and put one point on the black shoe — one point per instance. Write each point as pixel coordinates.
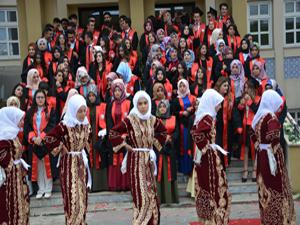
(244, 179)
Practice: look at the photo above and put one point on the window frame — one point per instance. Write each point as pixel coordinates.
(6, 25)
(259, 18)
(293, 15)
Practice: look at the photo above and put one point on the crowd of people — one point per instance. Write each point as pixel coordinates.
(194, 84)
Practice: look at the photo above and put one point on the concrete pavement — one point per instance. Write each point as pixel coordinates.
(169, 216)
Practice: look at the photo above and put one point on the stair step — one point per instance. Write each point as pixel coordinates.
(236, 188)
(93, 198)
(120, 206)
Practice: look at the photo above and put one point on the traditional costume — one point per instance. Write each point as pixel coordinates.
(14, 207)
(143, 132)
(274, 190)
(212, 197)
(75, 177)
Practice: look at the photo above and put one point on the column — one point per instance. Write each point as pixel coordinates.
(149, 6)
(33, 19)
(124, 7)
(61, 8)
(137, 15)
(22, 26)
(278, 40)
(239, 13)
(208, 4)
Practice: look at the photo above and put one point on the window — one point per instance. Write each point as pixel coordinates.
(260, 22)
(98, 12)
(292, 22)
(9, 34)
(295, 113)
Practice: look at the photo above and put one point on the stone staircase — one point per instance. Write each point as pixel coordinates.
(105, 201)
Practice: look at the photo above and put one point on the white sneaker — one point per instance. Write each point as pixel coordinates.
(39, 196)
(47, 195)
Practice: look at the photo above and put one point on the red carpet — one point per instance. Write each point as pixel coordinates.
(236, 222)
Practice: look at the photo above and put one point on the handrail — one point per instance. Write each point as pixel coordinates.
(295, 127)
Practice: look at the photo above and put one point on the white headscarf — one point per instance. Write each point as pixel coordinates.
(220, 41)
(10, 119)
(215, 35)
(70, 119)
(135, 111)
(186, 83)
(71, 93)
(207, 105)
(29, 82)
(270, 103)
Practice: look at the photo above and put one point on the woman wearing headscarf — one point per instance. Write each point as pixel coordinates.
(131, 81)
(172, 62)
(140, 133)
(109, 79)
(243, 52)
(98, 150)
(33, 80)
(259, 77)
(13, 101)
(159, 93)
(237, 79)
(71, 93)
(212, 196)
(144, 43)
(167, 168)
(73, 134)
(254, 57)
(14, 207)
(180, 73)
(215, 36)
(83, 80)
(160, 77)
(183, 109)
(274, 189)
(117, 110)
(189, 59)
(57, 58)
(219, 58)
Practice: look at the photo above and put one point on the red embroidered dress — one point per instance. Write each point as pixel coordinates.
(141, 134)
(274, 192)
(73, 173)
(213, 200)
(14, 206)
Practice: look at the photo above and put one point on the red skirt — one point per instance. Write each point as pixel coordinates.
(274, 192)
(116, 180)
(213, 200)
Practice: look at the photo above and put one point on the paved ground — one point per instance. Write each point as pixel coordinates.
(169, 216)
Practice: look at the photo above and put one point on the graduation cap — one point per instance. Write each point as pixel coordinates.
(212, 11)
(198, 10)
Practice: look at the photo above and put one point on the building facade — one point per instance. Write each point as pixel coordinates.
(274, 23)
